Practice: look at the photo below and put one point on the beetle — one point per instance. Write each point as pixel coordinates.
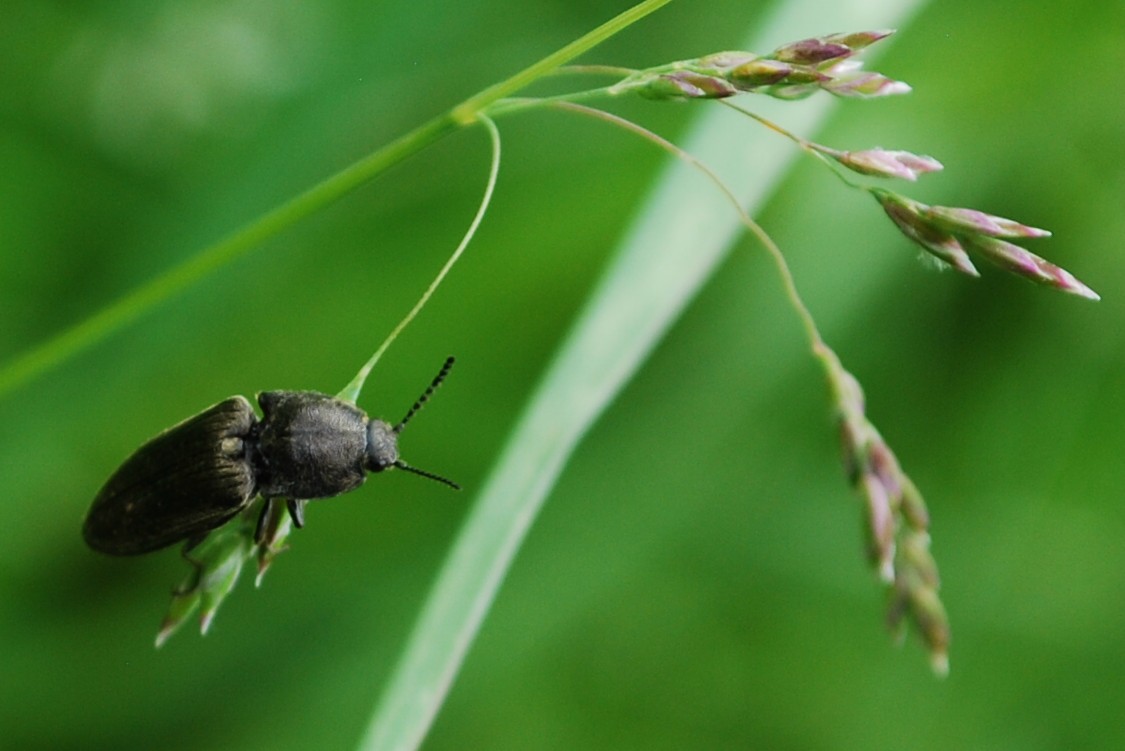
(199, 474)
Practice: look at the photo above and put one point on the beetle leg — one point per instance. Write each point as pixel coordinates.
(297, 512)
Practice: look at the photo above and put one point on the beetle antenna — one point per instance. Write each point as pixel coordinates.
(430, 475)
(421, 401)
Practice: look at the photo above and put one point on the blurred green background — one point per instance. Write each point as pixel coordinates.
(696, 580)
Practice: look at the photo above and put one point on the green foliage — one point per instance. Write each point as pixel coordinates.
(694, 580)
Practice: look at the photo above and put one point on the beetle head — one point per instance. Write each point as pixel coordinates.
(382, 439)
(382, 446)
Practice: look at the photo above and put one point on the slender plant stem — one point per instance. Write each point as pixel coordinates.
(132, 305)
(512, 105)
(351, 391)
(805, 144)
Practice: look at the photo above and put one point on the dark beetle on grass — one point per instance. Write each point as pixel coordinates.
(198, 475)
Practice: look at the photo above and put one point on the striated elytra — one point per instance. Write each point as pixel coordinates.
(199, 474)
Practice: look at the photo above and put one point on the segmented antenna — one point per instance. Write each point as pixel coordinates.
(429, 475)
(418, 405)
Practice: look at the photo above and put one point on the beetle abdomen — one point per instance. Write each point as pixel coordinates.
(188, 480)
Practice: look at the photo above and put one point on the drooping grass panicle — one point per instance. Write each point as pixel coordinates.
(897, 519)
